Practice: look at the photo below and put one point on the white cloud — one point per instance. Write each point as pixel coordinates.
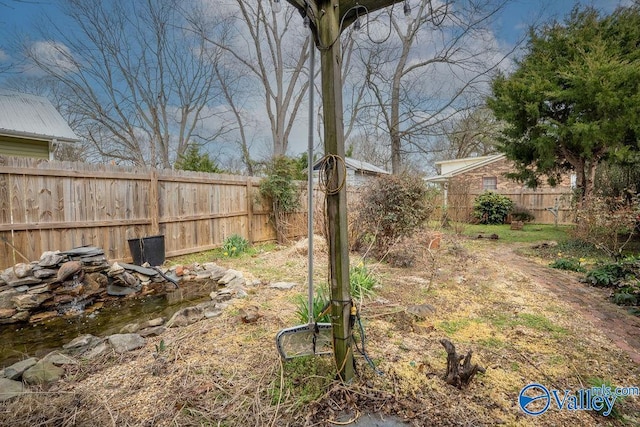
(4, 56)
(53, 55)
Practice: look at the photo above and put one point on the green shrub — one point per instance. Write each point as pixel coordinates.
(492, 208)
(392, 206)
(622, 276)
(234, 245)
(605, 276)
(614, 273)
(627, 296)
(279, 186)
(281, 192)
(570, 264)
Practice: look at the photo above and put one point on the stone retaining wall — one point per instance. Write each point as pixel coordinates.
(82, 280)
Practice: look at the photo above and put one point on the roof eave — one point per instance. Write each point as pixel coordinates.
(39, 137)
(438, 178)
(484, 162)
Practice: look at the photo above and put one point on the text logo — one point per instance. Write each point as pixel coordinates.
(534, 399)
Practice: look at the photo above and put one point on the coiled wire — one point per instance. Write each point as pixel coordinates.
(331, 168)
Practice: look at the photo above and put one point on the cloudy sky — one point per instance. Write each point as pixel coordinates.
(25, 16)
(22, 14)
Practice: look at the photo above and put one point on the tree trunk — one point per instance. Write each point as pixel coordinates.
(590, 181)
(459, 374)
(394, 131)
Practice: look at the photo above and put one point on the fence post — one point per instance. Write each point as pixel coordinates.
(249, 211)
(154, 211)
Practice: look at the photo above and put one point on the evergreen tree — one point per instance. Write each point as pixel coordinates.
(193, 160)
(573, 100)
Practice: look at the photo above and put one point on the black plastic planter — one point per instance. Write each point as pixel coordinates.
(147, 249)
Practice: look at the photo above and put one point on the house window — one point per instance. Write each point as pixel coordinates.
(489, 183)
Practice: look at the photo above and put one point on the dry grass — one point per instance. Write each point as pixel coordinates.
(222, 372)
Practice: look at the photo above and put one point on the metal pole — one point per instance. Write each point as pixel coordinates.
(312, 50)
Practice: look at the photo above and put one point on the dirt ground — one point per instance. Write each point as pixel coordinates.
(524, 322)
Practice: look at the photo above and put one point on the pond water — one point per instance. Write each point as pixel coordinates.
(19, 341)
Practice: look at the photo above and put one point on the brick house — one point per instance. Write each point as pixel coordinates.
(461, 180)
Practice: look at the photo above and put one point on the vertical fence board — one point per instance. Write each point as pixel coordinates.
(31, 208)
(44, 200)
(5, 199)
(6, 252)
(16, 196)
(150, 204)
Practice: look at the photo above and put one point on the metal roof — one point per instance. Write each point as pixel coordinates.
(34, 117)
(481, 161)
(357, 165)
(361, 166)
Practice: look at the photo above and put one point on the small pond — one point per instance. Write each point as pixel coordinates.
(22, 340)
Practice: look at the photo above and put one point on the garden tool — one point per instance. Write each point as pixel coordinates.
(313, 338)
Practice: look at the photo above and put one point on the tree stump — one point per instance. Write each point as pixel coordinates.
(459, 374)
(517, 225)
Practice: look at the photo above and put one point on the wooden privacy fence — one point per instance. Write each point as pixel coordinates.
(539, 202)
(60, 205)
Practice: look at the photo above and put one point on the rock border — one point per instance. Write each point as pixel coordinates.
(15, 379)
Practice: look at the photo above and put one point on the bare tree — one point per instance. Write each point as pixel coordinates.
(238, 88)
(273, 49)
(8, 63)
(231, 87)
(430, 68)
(371, 149)
(5, 64)
(472, 133)
(140, 82)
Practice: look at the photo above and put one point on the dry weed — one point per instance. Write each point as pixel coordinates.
(222, 372)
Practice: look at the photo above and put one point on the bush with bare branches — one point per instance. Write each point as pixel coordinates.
(392, 207)
(608, 222)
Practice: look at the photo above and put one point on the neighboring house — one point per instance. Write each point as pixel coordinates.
(461, 180)
(30, 126)
(358, 172)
